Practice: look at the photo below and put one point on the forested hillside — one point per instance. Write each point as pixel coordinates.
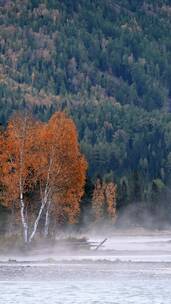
(108, 64)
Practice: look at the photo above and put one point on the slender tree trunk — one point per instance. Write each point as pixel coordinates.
(22, 204)
(23, 220)
(43, 204)
(46, 230)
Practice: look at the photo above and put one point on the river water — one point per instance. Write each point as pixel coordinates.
(128, 269)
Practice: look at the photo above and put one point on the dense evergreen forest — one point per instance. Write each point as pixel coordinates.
(108, 65)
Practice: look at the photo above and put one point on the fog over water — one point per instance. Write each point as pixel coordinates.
(129, 268)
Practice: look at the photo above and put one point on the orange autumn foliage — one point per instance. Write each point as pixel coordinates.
(98, 200)
(45, 159)
(17, 157)
(66, 166)
(110, 193)
(104, 200)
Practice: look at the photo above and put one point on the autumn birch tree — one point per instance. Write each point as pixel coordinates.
(63, 172)
(104, 200)
(17, 161)
(44, 158)
(98, 200)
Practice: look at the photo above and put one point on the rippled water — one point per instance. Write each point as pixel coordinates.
(95, 280)
(100, 283)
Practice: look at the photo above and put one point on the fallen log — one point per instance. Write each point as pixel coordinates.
(99, 245)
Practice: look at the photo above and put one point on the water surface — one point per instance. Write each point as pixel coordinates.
(127, 270)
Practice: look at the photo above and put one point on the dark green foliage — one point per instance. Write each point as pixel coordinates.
(108, 64)
(64, 47)
(128, 141)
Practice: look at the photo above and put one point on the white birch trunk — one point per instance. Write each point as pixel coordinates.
(44, 201)
(43, 204)
(23, 220)
(46, 231)
(22, 204)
